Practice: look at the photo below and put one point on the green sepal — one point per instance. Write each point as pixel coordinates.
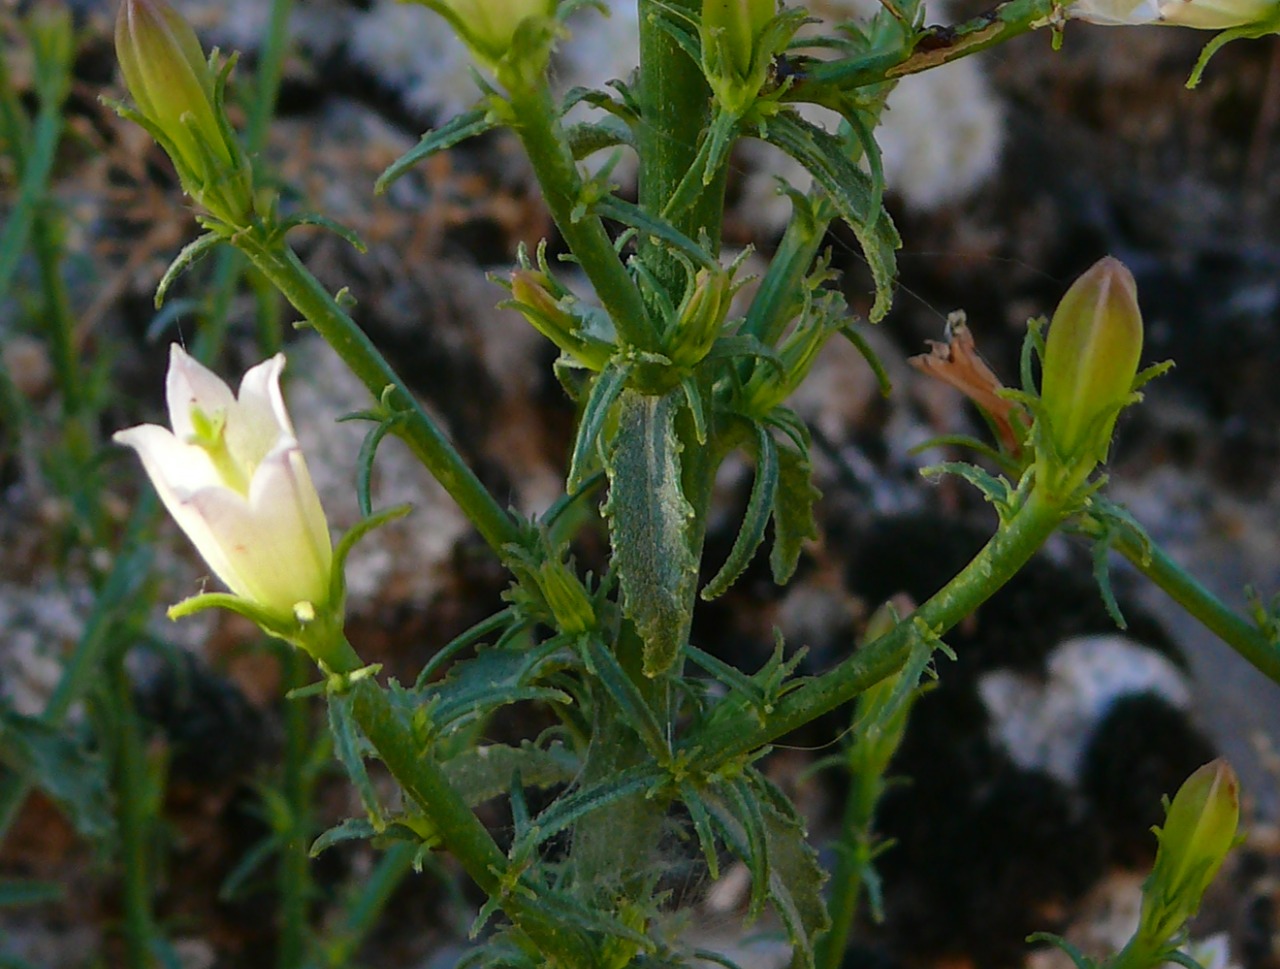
(650, 525)
(637, 714)
(271, 622)
(604, 393)
(337, 580)
(851, 191)
(745, 345)
(467, 125)
(1247, 32)
(760, 507)
(191, 253)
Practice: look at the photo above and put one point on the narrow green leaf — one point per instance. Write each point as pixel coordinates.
(70, 775)
(566, 810)
(604, 393)
(364, 461)
(630, 214)
(345, 233)
(793, 519)
(760, 506)
(732, 677)
(697, 411)
(485, 627)
(1102, 575)
(349, 747)
(191, 253)
(701, 819)
(349, 829)
(851, 191)
(795, 877)
(467, 125)
(588, 137)
(481, 773)
(650, 525)
(630, 703)
(250, 862)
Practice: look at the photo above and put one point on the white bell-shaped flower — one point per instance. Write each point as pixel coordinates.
(233, 477)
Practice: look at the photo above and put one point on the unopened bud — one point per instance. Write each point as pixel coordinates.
(769, 386)
(1199, 830)
(737, 49)
(735, 26)
(530, 291)
(701, 317)
(175, 91)
(488, 27)
(1090, 362)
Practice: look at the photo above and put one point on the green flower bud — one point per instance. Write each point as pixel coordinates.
(1090, 362)
(734, 26)
(176, 94)
(701, 317)
(1199, 830)
(488, 27)
(530, 291)
(735, 52)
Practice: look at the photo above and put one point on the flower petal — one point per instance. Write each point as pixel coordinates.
(175, 468)
(273, 548)
(259, 423)
(189, 383)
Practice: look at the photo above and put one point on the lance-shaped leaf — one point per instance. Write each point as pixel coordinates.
(852, 192)
(650, 525)
(764, 495)
(793, 519)
(468, 125)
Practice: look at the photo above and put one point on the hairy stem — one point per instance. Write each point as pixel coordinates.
(1241, 635)
(534, 118)
(425, 439)
(730, 736)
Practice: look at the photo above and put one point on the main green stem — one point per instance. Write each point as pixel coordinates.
(294, 878)
(534, 118)
(455, 824)
(280, 264)
(730, 736)
(855, 844)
